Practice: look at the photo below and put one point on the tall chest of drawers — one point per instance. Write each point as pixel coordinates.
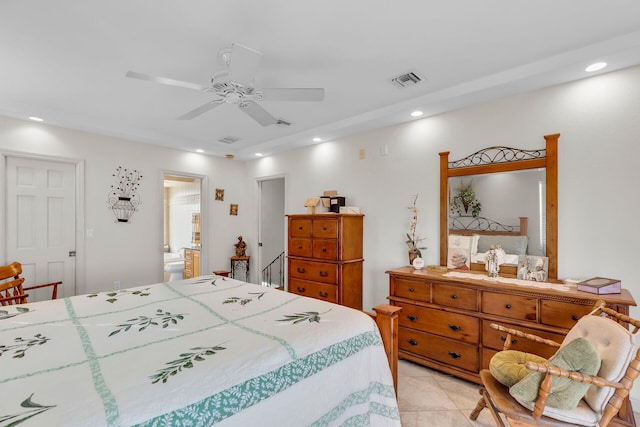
(325, 257)
(444, 322)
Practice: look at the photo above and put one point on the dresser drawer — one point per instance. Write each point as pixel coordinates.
(300, 247)
(325, 249)
(314, 290)
(325, 228)
(511, 306)
(455, 296)
(562, 314)
(444, 350)
(299, 227)
(495, 339)
(314, 271)
(412, 289)
(456, 326)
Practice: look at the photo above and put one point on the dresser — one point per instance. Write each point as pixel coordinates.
(444, 322)
(325, 257)
(191, 263)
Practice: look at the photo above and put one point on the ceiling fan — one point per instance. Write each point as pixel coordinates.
(235, 86)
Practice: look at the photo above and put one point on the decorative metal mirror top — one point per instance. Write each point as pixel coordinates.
(499, 159)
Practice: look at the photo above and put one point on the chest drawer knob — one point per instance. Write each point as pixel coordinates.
(301, 270)
(300, 289)
(324, 249)
(575, 318)
(512, 341)
(413, 342)
(455, 355)
(411, 289)
(323, 273)
(507, 306)
(299, 247)
(412, 318)
(454, 327)
(454, 296)
(323, 294)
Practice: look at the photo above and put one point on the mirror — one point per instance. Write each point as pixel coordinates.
(511, 184)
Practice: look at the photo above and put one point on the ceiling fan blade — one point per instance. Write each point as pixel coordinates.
(165, 81)
(201, 109)
(258, 113)
(293, 94)
(243, 64)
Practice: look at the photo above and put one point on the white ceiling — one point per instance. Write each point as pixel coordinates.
(65, 61)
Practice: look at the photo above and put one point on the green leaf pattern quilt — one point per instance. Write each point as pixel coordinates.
(198, 352)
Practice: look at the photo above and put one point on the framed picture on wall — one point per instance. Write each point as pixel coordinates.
(233, 210)
(220, 194)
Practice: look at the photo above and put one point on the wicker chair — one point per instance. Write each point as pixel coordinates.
(617, 347)
(11, 289)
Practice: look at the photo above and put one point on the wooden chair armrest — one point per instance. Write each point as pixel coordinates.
(515, 332)
(54, 284)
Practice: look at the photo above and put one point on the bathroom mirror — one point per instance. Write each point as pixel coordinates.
(510, 184)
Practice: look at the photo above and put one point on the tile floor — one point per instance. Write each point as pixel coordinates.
(429, 398)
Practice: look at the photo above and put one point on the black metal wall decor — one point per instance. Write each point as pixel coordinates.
(123, 197)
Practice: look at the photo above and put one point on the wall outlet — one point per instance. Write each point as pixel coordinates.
(116, 285)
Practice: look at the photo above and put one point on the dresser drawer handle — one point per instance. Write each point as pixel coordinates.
(323, 273)
(300, 247)
(300, 228)
(323, 294)
(324, 249)
(324, 228)
(413, 342)
(411, 289)
(299, 289)
(508, 306)
(454, 355)
(454, 296)
(412, 318)
(301, 270)
(574, 317)
(512, 341)
(454, 327)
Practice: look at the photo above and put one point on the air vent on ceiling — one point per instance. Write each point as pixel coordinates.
(406, 80)
(229, 139)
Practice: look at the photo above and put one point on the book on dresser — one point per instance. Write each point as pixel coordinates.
(600, 285)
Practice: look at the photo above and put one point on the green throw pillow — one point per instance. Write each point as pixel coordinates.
(507, 366)
(578, 355)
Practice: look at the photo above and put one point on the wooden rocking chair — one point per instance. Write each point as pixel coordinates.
(617, 348)
(11, 289)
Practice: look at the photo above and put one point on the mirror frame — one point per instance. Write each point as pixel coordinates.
(518, 159)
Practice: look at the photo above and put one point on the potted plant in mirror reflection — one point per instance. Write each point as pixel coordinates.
(464, 202)
(413, 238)
(123, 197)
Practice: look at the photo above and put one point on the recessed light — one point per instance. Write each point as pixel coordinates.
(36, 119)
(595, 67)
(258, 154)
(199, 150)
(416, 113)
(316, 139)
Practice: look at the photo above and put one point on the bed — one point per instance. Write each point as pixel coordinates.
(205, 351)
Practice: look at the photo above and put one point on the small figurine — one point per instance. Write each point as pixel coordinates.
(492, 261)
(241, 247)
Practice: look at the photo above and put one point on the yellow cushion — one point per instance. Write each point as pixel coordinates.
(507, 366)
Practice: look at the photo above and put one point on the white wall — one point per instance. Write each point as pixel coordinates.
(599, 177)
(132, 253)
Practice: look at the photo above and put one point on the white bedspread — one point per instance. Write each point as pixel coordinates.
(198, 352)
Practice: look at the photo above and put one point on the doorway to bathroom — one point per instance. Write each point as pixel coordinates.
(182, 227)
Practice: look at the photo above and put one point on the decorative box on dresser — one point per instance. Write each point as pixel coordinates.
(444, 322)
(191, 263)
(325, 257)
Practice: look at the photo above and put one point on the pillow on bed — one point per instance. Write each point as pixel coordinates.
(516, 245)
(578, 355)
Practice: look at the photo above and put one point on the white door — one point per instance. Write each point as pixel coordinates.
(41, 216)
